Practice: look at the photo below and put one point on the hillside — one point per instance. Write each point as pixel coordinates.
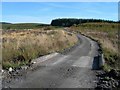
(8, 26)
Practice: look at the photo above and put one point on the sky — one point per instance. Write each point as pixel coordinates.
(44, 12)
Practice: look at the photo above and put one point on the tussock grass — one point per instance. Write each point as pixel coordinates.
(20, 47)
(107, 35)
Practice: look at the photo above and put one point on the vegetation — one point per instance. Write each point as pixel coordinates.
(69, 22)
(21, 46)
(107, 35)
(10, 26)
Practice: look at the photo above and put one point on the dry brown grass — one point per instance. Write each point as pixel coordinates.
(105, 40)
(31, 44)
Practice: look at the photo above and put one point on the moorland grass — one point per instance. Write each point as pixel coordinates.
(20, 47)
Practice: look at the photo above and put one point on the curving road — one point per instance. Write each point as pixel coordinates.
(70, 70)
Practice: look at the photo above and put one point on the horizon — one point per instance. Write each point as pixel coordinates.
(51, 21)
(45, 12)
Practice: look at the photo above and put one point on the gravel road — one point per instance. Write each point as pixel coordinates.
(74, 69)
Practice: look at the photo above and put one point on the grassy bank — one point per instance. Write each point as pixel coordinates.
(107, 35)
(20, 47)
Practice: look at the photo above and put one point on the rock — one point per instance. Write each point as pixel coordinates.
(108, 79)
(34, 62)
(116, 83)
(24, 67)
(105, 82)
(113, 86)
(2, 71)
(10, 69)
(109, 83)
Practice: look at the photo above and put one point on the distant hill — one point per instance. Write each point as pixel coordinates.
(5, 23)
(7, 26)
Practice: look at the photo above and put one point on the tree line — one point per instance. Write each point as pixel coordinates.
(69, 22)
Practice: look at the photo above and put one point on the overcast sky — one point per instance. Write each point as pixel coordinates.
(44, 12)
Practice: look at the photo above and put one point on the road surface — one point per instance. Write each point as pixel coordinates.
(71, 70)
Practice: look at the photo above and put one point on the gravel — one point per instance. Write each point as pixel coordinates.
(109, 79)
